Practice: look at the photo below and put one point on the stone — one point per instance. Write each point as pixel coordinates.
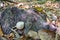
(33, 34)
(45, 35)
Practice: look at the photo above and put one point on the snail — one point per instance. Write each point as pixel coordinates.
(20, 25)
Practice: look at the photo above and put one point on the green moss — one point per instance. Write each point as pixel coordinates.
(39, 9)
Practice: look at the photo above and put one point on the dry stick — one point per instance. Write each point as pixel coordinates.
(56, 36)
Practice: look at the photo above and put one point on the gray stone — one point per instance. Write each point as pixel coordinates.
(44, 35)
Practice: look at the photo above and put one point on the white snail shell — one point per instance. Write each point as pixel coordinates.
(20, 25)
(1, 4)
